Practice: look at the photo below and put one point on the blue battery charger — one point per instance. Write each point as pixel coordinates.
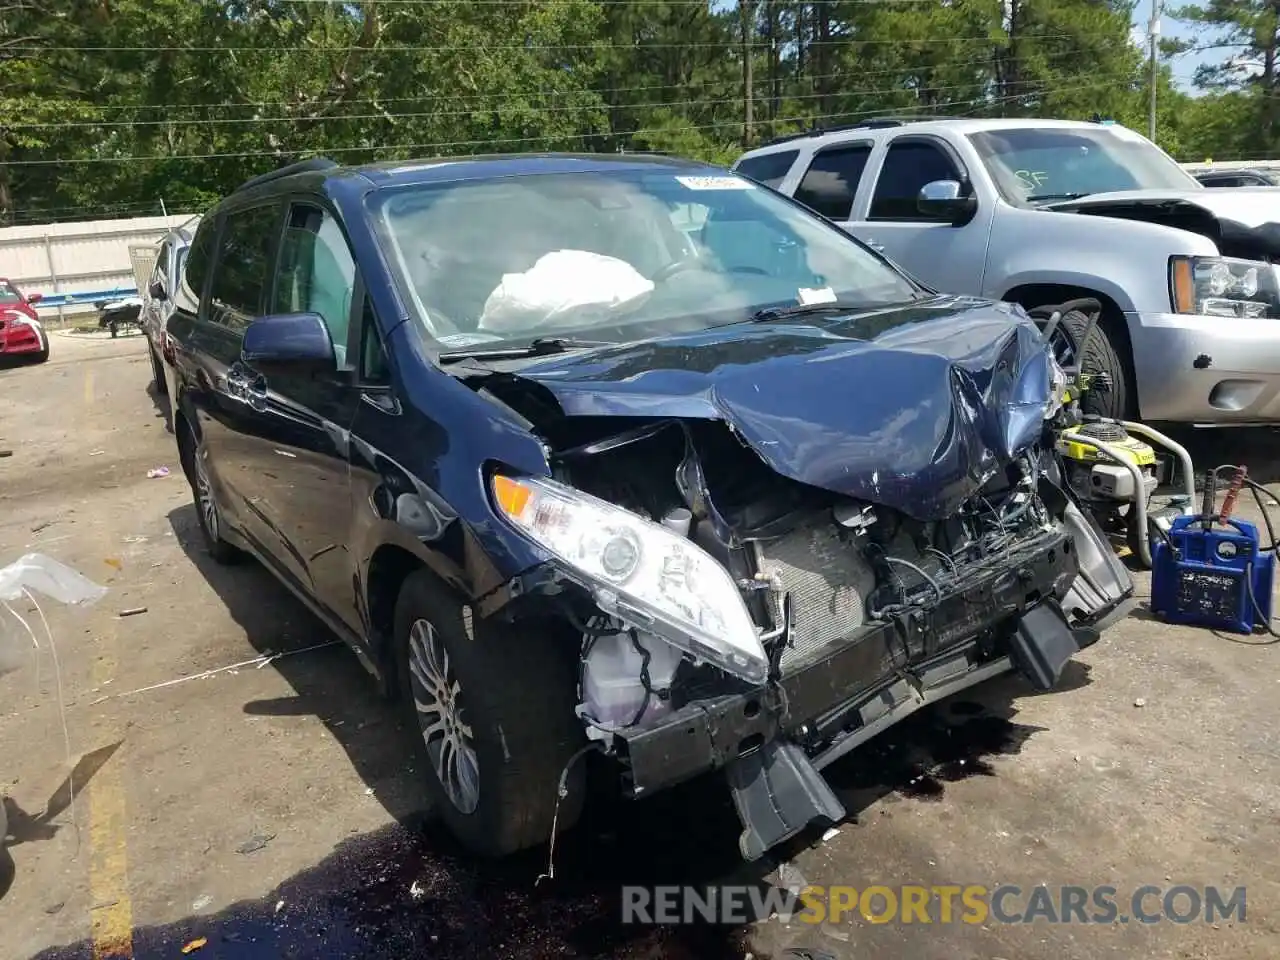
(1203, 577)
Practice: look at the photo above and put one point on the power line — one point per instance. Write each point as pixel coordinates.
(976, 103)
(874, 92)
(548, 92)
(441, 48)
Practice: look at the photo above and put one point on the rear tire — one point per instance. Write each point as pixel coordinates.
(208, 513)
(157, 372)
(1101, 355)
(492, 709)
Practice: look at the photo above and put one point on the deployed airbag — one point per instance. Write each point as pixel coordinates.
(564, 288)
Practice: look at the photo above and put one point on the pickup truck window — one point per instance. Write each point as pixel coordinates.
(832, 179)
(1029, 164)
(908, 166)
(769, 169)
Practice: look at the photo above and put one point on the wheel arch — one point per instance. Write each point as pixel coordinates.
(1112, 319)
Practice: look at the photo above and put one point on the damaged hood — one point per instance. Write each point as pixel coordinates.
(914, 407)
(1240, 217)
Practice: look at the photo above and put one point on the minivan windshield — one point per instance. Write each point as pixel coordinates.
(615, 255)
(1035, 164)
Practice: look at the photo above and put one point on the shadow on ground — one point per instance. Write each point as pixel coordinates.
(409, 890)
(161, 402)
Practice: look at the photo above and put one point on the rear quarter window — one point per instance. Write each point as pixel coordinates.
(769, 169)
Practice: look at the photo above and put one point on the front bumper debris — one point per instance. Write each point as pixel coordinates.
(772, 742)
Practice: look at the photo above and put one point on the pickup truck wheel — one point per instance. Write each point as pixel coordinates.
(1112, 399)
(493, 710)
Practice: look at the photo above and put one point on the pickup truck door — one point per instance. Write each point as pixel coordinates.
(949, 258)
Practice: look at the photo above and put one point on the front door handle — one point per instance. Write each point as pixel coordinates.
(875, 245)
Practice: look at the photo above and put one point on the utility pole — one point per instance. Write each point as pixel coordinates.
(1153, 37)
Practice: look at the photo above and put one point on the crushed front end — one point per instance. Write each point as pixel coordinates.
(761, 615)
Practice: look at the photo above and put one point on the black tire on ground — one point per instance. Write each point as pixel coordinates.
(1101, 355)
(514, 691)
(208, 514)
(157, 372)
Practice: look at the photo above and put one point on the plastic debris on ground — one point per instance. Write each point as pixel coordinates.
(195, 944)
(157, 472)
(31, 574)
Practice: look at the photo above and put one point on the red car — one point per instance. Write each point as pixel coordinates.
(20, 331)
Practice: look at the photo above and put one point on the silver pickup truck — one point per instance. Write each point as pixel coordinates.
(1041, 211)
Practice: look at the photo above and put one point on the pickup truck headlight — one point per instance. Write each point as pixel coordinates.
(639, 571)
(1223, 287)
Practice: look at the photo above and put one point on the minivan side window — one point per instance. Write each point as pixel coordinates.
(907, 167)
(243, 267)
(197, 266)
(161, 270)
(832, 179)
(769, 169)
(316, 273)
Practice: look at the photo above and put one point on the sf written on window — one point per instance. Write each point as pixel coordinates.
(317, 273)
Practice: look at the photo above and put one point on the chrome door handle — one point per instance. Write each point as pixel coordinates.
(875, 245)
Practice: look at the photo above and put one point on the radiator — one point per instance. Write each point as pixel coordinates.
(827, 579)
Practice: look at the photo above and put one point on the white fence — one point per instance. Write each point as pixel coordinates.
(74, 264)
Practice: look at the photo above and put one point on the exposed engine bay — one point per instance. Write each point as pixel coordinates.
(815, 568)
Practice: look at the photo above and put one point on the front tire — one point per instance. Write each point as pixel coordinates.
(1102, 355)
(492, 707)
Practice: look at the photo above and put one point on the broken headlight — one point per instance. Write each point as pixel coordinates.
(639, 571)
(1223, 287)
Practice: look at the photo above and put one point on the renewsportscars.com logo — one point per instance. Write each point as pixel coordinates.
(937, 904)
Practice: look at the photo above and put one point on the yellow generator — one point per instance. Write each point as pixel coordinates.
(1106, 481)
(1108, 464)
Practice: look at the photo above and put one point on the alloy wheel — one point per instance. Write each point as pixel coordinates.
(204, 499)
(437, 698)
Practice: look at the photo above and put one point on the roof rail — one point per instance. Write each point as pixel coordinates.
(309, 165)
(875, 123)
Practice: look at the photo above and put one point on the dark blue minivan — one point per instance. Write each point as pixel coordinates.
(625, 454)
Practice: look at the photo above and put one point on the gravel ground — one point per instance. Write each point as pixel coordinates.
(268, 809)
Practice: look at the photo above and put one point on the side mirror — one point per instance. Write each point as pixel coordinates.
(34, 298)
(289, 343)
(157, 290)
(942, 200)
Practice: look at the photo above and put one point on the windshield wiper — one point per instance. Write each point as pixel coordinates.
(824, 309)
(539, 347)
(1050, 197)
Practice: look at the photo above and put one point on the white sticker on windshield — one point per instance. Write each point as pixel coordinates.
(808, 295)
(716, 183)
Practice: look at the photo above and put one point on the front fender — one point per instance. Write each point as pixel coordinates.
(1126, 261)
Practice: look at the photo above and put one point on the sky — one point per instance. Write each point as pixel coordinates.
(1184, 67)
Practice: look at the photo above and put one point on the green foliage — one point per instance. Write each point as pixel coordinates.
(110, 106)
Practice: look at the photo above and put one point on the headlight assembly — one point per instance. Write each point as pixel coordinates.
(1223, 287)
(639, 571)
